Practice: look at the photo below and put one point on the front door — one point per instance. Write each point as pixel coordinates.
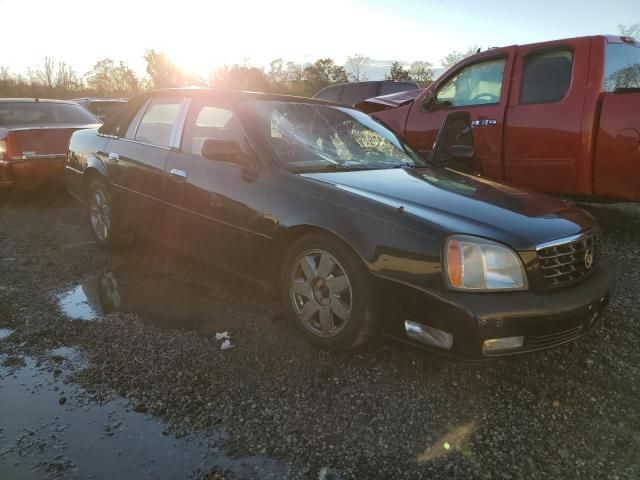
(215, 206)
(478, 88)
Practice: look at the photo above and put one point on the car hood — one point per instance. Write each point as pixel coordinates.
(459, 203)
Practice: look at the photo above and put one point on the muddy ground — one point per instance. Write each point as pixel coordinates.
(110, 368)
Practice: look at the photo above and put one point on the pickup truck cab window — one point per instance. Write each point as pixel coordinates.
(476, 84)
(622, 67)
(157, 122)
(546, 76)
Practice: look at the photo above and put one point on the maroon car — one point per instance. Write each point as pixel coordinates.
(34, 138)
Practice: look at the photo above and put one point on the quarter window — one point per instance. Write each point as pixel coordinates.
(622, 67)
(477, 84)
(213, 122)
(157, 122)
(546, 76)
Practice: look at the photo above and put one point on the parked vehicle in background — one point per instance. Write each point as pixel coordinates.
(101, 107)
(352, 93)
(355, 231)
(559, 116)
(34, 136)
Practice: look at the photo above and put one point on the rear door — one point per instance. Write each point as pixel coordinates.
(543, 139)
(617, 161)
(136, 162)
(479, 87)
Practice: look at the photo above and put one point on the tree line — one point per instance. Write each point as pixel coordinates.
(110, 78)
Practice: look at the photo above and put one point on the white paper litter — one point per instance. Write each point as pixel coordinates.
(226, 345)
(220, 336)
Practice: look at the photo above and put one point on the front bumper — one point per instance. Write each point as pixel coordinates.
(544, 319)
(30, 172)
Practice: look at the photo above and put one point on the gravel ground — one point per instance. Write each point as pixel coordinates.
(378, 412)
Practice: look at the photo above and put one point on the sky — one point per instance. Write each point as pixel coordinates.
(201, 35)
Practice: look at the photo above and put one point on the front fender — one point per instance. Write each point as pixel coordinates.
(392, 244)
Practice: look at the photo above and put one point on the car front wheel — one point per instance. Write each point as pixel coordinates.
(327, 292)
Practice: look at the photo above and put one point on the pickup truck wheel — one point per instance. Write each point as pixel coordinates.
(101, 218)
(326, 291)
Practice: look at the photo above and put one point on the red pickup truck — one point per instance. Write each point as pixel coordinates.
(560, 116)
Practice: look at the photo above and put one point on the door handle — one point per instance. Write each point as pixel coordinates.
(485, 122)
(178, 174)
(114, 157)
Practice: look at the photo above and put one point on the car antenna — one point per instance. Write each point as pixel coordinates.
(37, 99)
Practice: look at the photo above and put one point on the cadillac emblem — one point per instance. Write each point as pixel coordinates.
(588, 259)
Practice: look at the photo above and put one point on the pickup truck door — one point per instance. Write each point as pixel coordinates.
(215, 205)
(479, 86)
(135, 163)
(543, 139)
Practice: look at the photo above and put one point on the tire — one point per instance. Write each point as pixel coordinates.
(104, 227)
(326, 291)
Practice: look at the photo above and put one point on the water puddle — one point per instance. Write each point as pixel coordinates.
(51, 428)
(5, 332)
(157, 299)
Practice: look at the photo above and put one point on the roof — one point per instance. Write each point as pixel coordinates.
(34, 100)
(238, 95)
(99, 99)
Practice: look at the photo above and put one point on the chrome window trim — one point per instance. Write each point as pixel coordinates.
(144, 143)
(178, 127)
(132, 129)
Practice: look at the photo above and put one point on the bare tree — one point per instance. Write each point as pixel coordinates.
(455, 56)
(630, 31)
(355, 66)
(112, 79)
(162, 71)
(421, 73)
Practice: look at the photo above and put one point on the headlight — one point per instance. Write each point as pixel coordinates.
(473, 263)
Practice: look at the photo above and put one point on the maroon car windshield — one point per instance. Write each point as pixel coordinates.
(37, 113)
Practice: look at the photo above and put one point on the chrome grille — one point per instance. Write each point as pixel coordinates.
(568, 260)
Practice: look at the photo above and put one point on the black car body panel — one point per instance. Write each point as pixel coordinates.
(244, 216)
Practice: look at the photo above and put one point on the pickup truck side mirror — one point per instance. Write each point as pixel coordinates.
(454, 147)
(222, 151)
(462, 152)
(430, 102)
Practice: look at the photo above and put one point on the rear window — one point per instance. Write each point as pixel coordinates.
(622, 67)
(395, 87)
(546, 76)
(330, 94)
(353, 94)
(103, 110)
(36, 113)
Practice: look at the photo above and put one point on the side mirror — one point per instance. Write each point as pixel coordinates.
(462, 152)
(221, 150)
(454, 147)
(429, 102)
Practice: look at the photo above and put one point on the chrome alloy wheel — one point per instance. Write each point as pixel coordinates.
(100, 215)
(321, 293)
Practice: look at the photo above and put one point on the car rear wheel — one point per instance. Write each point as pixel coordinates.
(101, 218)
(327, 292)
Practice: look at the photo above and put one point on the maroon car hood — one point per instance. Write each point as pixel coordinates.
(44, 139)
(384, 102)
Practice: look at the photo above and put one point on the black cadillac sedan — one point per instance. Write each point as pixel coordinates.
(333, 212)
